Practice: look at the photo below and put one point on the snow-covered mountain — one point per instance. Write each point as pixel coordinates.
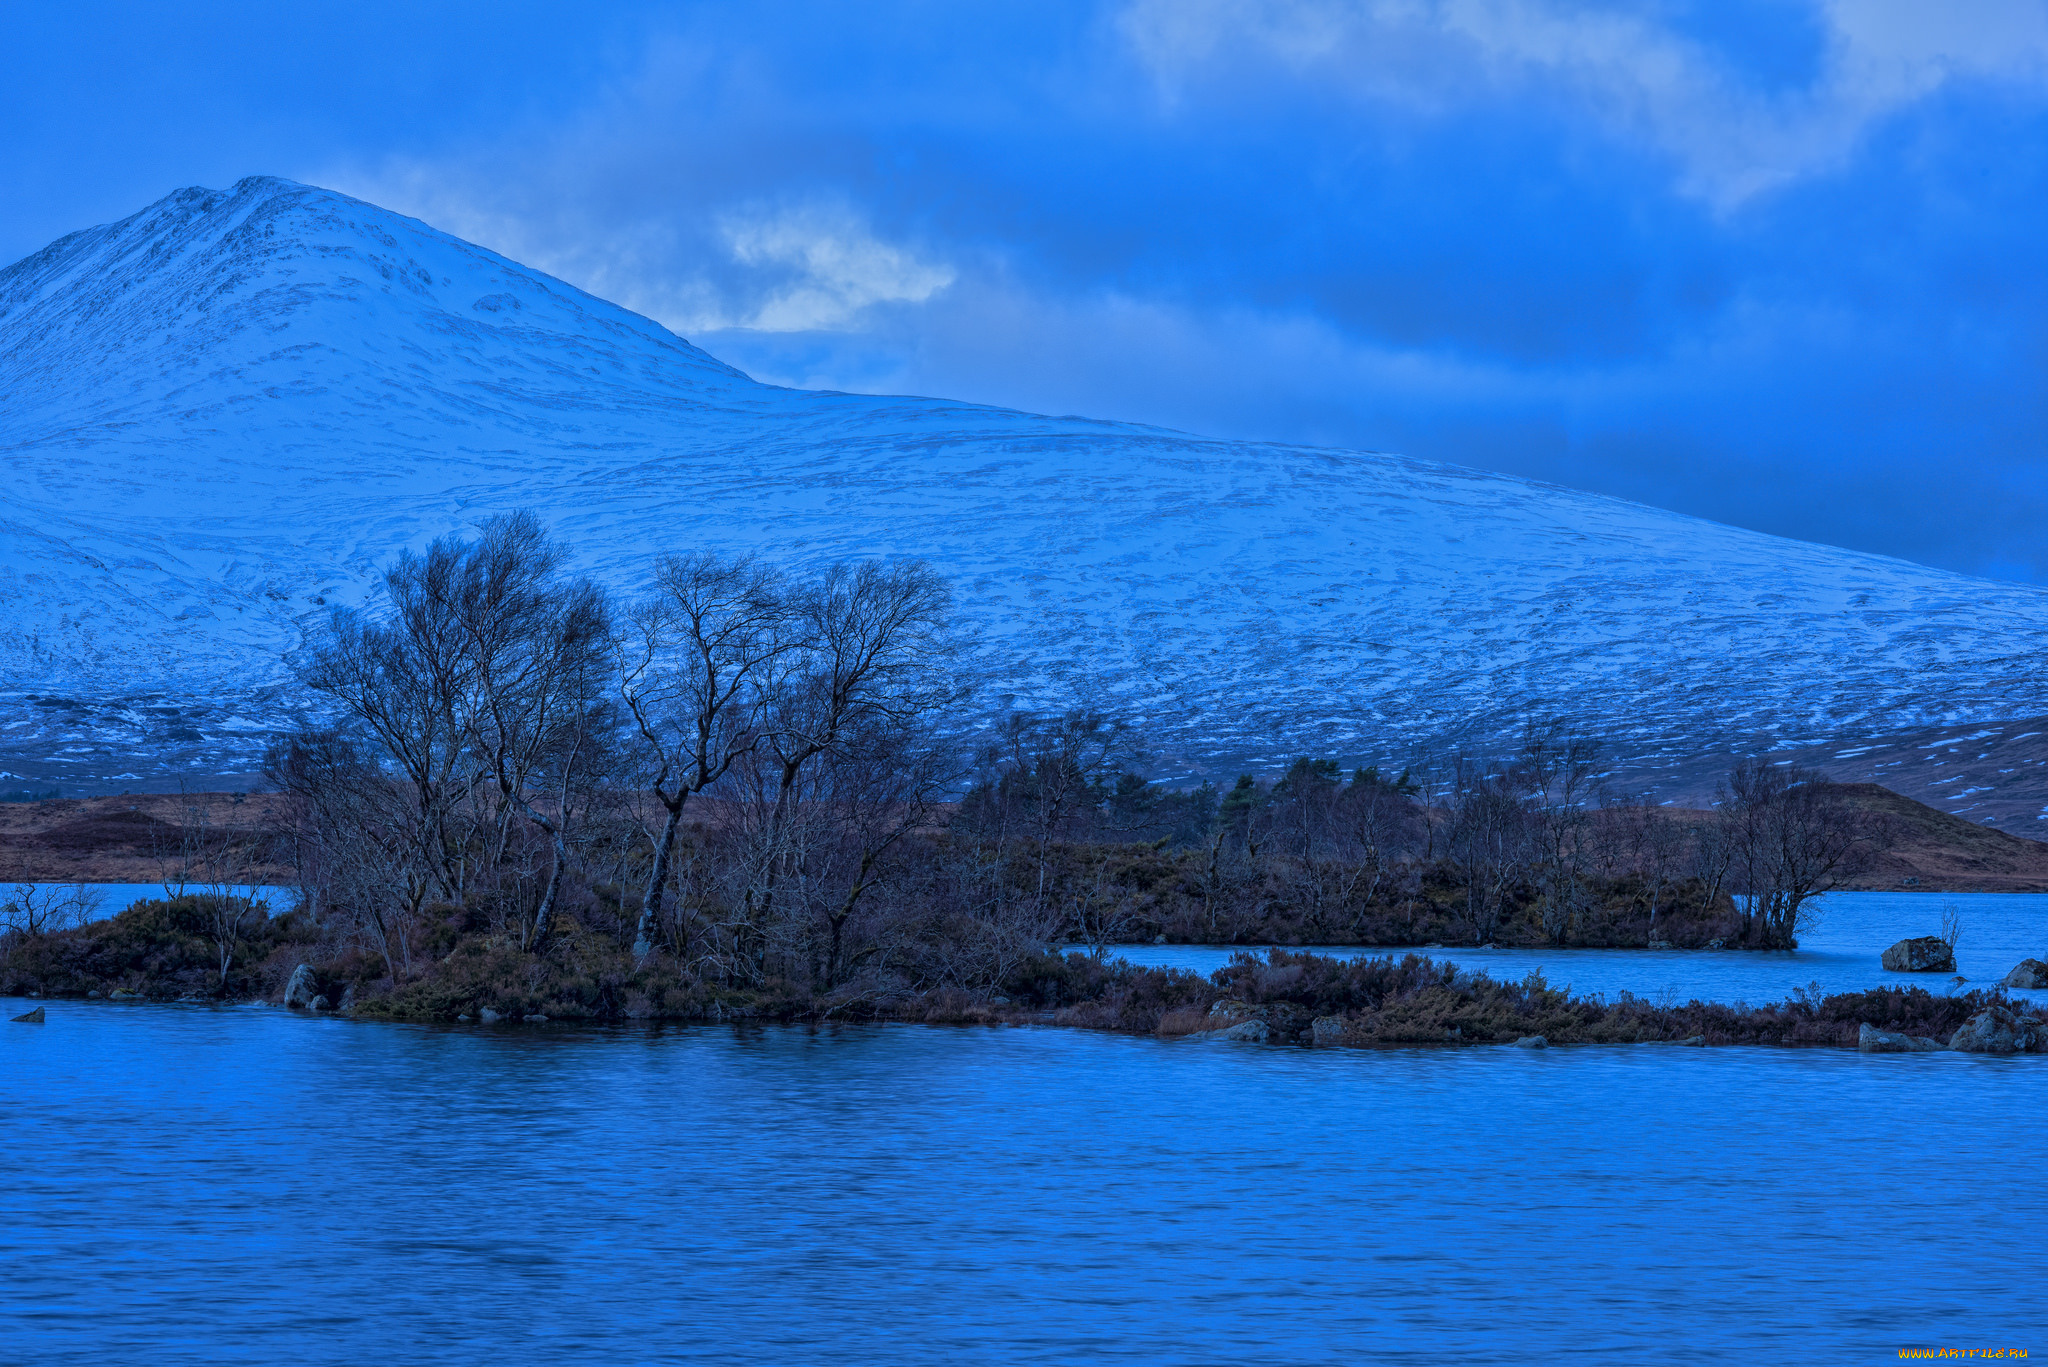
(229, 410)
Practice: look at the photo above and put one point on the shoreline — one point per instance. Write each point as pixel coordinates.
(1288, 999)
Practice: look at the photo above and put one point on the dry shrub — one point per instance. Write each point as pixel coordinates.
(1184, 1020)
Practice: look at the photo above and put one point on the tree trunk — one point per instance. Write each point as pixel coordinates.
(657, 877)
(544, 916)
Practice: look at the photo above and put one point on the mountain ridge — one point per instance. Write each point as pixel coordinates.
(222, 414)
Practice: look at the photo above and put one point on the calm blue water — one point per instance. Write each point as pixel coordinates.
(111, 899)
(1841, 953)
(230, 1185)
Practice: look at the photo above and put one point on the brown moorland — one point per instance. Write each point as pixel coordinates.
(130, 838)
(1940, 852)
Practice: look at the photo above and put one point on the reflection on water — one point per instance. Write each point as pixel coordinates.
(1840, 953)
(202, 1185)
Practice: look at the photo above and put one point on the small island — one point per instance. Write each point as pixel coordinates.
(761, 794)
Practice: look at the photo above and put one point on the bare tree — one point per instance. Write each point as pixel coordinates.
(1488, 842)
(1048, 774)
(1791, 835)
(35, 909)
(1653, 843)
(1304, 828)
(812, 853)
(1708, 859)
(1557, 768)
(866, 675)
(406, 681)
(351, 832)
(1380, 824)
(1336, 840)
(532, 714)
(696, 672)
(202, 858)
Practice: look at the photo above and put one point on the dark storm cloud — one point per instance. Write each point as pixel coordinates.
(1772, 263)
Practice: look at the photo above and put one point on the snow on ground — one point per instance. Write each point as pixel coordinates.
(221, 415)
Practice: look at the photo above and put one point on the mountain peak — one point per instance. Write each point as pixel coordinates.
(223, 414)
(203, 279)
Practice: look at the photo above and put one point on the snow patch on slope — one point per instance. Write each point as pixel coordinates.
(220, 416)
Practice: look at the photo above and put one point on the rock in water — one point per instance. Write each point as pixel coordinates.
(319, 1004)
(488, 1016)
(34, 1017)
(1871, 1040)
(299, 991)
(1924, 954)
(1995, 1030)
(1532, 1042)
(2031, 973)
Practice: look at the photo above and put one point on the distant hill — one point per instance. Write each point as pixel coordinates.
(220, 416)
(1945, 853)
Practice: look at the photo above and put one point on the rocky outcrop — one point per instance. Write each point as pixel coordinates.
(1871, 1040)
(2031, 973)
(1327, 1030)
(1923, 954)
(1234, 1020)
(300, 991)
(34, 1017)
(1995, 1030)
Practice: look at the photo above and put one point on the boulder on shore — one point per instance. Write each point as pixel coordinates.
(1249, 1032)
(299, 992)
(1532, 1042)
(2031, 973)
(1871, 1040)
(34, 1017)
(1327, 1030)
(1995, 1030)
(1922, 954)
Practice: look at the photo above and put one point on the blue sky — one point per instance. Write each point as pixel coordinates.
(1773, 262)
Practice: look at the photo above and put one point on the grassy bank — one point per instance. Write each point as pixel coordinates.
(164, 951)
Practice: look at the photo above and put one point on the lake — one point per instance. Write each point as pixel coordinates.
(192, 1184)
(104, 900)
(1840, 953)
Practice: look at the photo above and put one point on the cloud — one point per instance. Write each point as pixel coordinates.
(835, 267)
(1639, 77)
(1765, 261)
